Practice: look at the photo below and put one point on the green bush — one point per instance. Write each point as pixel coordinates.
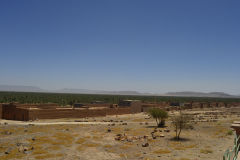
(159, 115)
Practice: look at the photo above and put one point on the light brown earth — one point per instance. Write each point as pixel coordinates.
(90, 139)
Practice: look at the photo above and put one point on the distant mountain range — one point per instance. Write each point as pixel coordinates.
(200, 94)
(87, 91)
(19, 88)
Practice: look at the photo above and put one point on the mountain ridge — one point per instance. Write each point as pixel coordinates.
(21, 88)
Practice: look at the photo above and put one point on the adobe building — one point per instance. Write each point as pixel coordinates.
(147, 106)
(79, 105)
(26, 112)
(134, 105)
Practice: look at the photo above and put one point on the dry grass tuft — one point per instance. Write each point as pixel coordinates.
(91, 144)
(81, 140)
(162, 151)
(206, 151)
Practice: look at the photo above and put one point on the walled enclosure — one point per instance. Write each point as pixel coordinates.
(25, 112)
(30, 112)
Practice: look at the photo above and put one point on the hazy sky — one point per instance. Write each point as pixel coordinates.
(149, 46)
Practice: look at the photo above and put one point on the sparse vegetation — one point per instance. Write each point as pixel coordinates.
(230, 132)
(64, 141)
(159, 115)
(180, 122)
(67, 99)
(162, 151)
(206, 151)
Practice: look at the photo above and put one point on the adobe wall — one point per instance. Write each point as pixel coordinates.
(10, 112)
(136, 107)
(49, 111)
(99, 105)
(118, 111)
(76, 113)
(65, 113)
(0, 111)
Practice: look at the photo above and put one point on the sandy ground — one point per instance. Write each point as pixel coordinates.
(96, 138)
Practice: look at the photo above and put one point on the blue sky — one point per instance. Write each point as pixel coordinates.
(143, 45)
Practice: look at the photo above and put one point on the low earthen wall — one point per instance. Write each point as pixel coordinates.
(65, 113)
(0, 111)
(118, 111)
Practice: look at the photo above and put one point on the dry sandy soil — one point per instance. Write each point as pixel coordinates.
(96, 138)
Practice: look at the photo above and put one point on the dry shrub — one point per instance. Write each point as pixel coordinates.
(117, 130)
(81, 148)
(97, 138)
(139, 131)
(39, 150)
(53, 147)
(138, 120)
(107, 146)
(91, 144)
(45, 156)
(124, 147)
(65, 139)
(111, 150)
(137, 155)
(81, 140)
(162, 151)
(123, 155)
(180, 146)
(14, 154)
(230, 132)
(206, 151)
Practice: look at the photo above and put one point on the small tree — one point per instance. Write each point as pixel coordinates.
(159, 115)
(180, 122)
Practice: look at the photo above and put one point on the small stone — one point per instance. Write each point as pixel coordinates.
(162, 135)
(145, 145)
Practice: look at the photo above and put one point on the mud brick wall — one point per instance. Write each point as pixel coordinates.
(21, 114)
(147, 108)
(99, 105)
(196, 105)
(10, 112)
(65, 113)
(136, 107)
(222, 104)
(213, 104)
(187, 105)
(236, 104)
(163, 104)
(118, 111)
(0, 111)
